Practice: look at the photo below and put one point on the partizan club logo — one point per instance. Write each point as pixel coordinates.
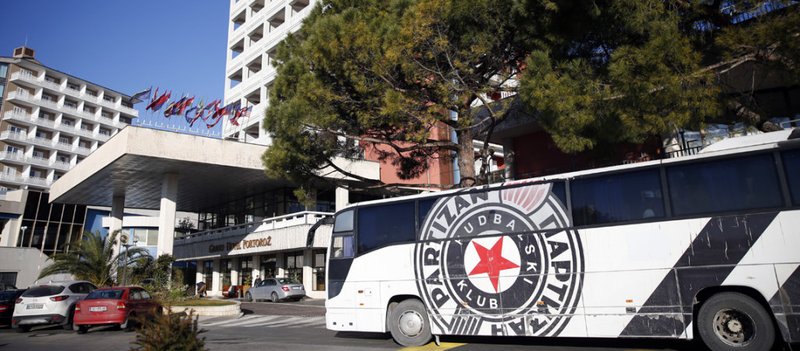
(499, 263)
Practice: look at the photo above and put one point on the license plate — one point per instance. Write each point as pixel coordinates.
(296, 288)
(35, 306)
(97, 309)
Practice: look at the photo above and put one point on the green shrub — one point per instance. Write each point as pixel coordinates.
(170, 332)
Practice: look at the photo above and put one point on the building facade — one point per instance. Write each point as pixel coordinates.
(255, 29)
(50, 122)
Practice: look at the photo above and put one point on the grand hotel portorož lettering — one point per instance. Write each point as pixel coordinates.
(241, 245)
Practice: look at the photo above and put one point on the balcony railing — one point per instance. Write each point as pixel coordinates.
(20, 95)
(51, 85)
(9, 135)
(128, 110)
(42, 142)
(280, 222)
(18, 179)
(43, 182)
(12, 156)
(64, 166)
(64, 146)
(48, 103)
(106, 103)
(85, 132)
(83, 151)
(17, 116)
(72, 92)
(44, 122)
(36, 160)
(25, 76)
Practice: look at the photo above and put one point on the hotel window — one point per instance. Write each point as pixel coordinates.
(12, 149)
(73, 86)
(57, 175)
(145, 236)
(2, 89)
(39, 154)
(225, 273)
(47, 97)
(67, 122)
(85, 144)
(106, 114)
(37, 173)
(268, 266)
(3, 70)
(52, 79)
(91, 92)
(245, 270)
(15, 129)
(64, 139)
(87, 127)
(89, 109)
(319, 271)
(125, 120)
(108, 98)
(294, 266)
(62, 158)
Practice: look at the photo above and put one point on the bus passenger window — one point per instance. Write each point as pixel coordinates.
(381, 225)
(423, 207)
(617, 198)
(791, 164)
(342, 246)
(741, 183)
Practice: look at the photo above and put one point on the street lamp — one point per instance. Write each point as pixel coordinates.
(124, 240)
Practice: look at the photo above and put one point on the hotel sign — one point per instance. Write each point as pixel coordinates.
(243, 244)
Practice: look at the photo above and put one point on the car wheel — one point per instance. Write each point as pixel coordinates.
(127, 324)
(248, 297)
(729, 321)
(70, 316)
(274, 297)
(23, 328)
(408, 323)
(82, 329)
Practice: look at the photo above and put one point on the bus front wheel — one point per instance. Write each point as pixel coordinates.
(734, 321)
(408, 323)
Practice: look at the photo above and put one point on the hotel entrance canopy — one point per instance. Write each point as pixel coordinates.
(154, 169)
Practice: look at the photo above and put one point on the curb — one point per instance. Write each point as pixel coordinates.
(215, 311)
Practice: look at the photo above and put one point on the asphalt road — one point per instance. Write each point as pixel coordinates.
(301, 326)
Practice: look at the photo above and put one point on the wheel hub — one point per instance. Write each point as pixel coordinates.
(411, 323)
(733, 327)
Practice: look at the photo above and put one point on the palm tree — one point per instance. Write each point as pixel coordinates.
(93, 259)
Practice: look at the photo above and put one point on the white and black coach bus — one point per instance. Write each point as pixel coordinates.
(702, 246)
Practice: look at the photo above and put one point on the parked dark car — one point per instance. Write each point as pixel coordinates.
(8, 299)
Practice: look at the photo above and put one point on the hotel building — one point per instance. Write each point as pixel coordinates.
(51, 121)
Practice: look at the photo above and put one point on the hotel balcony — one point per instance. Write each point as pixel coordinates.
(64, 146)
(128, 110)
(21, 180)
(21, 95)
(48, 143)
(16, 115)
(288, 231)
(39, 161)
(64, 166)
(73, 93)
(8, 156)
(83, 151)
(27, 77)
(51, 85)
(85, 132)
(106, 103)
(9, 135)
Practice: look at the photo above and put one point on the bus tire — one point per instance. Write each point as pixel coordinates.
(734, 321)
(409, 324)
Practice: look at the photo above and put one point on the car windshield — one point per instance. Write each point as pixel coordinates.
(43, 290)
(286, 281)
(104, 294)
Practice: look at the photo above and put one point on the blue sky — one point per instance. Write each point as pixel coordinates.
(126, 45)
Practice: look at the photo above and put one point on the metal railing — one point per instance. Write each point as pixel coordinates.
(273, 223)
(36, 160)
(65, 166)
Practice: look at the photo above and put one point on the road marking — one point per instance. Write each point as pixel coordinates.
(269, 321)
(432, 346)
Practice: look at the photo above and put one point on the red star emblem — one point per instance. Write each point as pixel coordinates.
(492, 262)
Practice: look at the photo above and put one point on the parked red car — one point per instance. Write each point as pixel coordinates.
(114, 306)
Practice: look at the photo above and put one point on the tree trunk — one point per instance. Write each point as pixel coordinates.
(466, 158)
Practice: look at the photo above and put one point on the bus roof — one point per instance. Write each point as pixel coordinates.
(733, 145)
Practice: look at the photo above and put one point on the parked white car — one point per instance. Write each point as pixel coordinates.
(53, 303)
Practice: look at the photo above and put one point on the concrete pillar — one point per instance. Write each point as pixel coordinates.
(280, 270)
(308, 271)
(117, 211)
(199, 275)
(508, 158)
(256, 269)
(166, 216)
(235, 271)
(216, 279)
(342, 198)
